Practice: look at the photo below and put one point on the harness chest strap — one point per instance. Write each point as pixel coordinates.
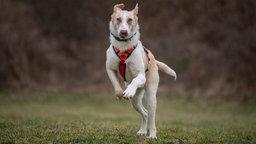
(123, 56)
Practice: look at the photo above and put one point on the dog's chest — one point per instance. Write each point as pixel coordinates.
(132, 63)
(128, 71)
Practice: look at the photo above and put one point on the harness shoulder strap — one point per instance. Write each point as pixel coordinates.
(116, 51)
(146, 51)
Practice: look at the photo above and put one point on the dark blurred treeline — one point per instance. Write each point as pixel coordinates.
(61, 44)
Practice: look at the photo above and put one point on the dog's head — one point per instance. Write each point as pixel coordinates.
(124, 22)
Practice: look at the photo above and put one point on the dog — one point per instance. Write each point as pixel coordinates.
(127, 60)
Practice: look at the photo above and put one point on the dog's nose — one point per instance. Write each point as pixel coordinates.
(124, 32)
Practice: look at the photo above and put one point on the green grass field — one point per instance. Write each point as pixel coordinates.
(86, 118)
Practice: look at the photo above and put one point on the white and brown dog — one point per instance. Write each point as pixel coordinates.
(135, 65)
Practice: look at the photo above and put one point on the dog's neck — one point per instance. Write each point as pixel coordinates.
(124, 45)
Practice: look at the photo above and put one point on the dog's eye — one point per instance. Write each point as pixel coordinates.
(118, 19)
(129, 20)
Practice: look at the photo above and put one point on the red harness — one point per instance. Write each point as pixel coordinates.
(123, 56)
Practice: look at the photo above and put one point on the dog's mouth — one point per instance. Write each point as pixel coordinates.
(123, 34)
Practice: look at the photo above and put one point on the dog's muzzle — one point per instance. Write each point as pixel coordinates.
(123, 33)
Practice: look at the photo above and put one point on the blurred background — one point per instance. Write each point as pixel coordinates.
(59, 45)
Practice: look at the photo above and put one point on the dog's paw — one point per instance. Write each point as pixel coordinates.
(129, 92)
(152, 137)
(152, 134)
(119, 93)
(142, 132)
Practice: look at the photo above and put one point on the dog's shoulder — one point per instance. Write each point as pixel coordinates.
(109, 51)
(139, 50)
(112, 60)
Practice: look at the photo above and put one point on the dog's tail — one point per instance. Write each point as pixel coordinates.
(166, 69)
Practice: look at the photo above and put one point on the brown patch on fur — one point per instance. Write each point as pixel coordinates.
(118, 7)
(116, 20)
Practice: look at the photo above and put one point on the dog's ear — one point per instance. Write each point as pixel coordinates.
(118, 7)
(136, 9)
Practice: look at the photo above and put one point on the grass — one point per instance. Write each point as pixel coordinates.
(87, 118)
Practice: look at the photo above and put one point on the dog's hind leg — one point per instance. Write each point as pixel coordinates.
(138, 106)
(151, 90)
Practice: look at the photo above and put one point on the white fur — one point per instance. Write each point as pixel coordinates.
(139, 83)
(121, 45)
(124, 25)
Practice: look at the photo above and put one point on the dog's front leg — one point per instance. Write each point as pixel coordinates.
(114, 80)
(137, 82)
